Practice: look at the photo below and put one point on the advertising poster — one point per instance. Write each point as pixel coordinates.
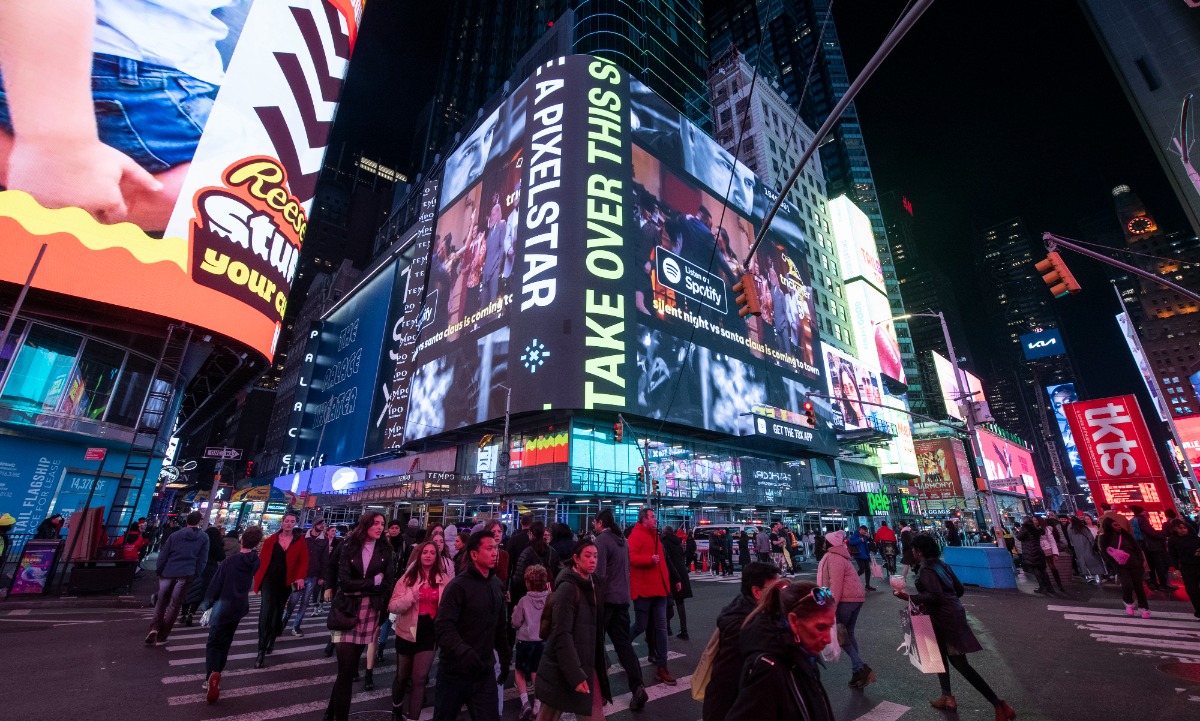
(1060, 395)
(34, 568)
(852, 383)
(582, 257)
(1008, 466)
(1118, 456)
(338, 406)
(899, 456)
(1143, 366)
(1189, 433)
(173, 173)
(30, 475)
(1042, 344)
(939, 474)
(949, 386)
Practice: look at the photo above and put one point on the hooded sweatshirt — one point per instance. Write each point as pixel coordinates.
(612, 566)
(527, 616)
(228, 594)
(184, 554)
(838, 572)
(785, 685)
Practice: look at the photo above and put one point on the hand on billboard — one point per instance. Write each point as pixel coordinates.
(85, 174)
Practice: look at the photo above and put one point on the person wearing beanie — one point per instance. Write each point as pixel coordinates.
(837, 573)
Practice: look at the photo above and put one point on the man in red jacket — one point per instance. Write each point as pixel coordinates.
(649, 586)
(885, 541)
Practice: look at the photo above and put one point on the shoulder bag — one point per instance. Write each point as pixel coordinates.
(1121, 557)
(343, 612)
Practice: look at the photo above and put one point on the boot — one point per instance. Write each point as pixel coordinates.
(868, 675)
(856, 679)
(369, 682)
(398, 713)
(1004, 712)
(329, 649)
(945, 703)
(261, 660)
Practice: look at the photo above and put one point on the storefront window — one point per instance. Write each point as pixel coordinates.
(42, 369)
(92, 383)
(10, 343)
(130, 391)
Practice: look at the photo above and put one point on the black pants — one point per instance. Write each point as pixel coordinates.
(1191, 584)
(343, 686)
(969, 673)
(864, 570)
(1043, 578)
(616, 625)
(677, 606)
(452, 692)
(764, 557)
(1131, 585)
(1157, 562)
(270, 614)
(216, 651)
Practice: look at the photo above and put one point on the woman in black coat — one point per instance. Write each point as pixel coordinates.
(938, 591)
(573, 674)
(681, 582)
(743, 549)
(1032, 555)
(1184, 547)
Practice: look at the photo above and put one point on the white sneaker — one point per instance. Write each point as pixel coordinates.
(1145, 613)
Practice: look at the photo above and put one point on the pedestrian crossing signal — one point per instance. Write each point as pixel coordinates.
(618, 431)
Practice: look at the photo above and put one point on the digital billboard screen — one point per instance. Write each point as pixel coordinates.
(856, 389)
(1042, 344)
(1060, 395)
(949, 386)
(1007, 465)
(583, 258)
(1189, 433)
(943, 470)
(171, 171)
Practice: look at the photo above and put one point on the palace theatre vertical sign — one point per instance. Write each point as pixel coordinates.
(1118, 455)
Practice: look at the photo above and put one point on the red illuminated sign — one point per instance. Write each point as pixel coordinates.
(1118, 455)
(907, 205)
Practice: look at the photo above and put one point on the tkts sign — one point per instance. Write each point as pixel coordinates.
(1118, 455)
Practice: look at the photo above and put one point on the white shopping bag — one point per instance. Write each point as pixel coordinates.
(919, 644)
(876, 569)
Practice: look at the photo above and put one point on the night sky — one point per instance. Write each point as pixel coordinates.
(986, 111)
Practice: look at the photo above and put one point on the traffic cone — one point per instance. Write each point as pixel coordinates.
(706, 563)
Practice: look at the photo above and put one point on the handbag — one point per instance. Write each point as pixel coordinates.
(343, 613)
(876, 569)
(703, 672)
(920, 643)
(1117, 554)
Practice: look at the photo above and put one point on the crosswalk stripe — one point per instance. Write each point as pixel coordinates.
(1135, 622)
(241, 656)
(1159, 632)
(1121, 612)
(886, 711)
(198, 677)
(621, 703)
(1163, 647)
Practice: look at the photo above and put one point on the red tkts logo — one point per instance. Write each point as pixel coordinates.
(1113, 440)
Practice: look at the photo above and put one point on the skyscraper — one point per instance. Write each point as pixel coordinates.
(781, 38)
(662, 44)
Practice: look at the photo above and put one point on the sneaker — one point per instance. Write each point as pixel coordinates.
(1145, 613)
(161, 642)
(214, 687)
(1129, 609)
(639, 699)
(151, 638)
(297, 632)
(526, 712)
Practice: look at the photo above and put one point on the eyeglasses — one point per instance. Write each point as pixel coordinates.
(821, 595)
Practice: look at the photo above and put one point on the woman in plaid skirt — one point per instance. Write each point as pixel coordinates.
(364, 571)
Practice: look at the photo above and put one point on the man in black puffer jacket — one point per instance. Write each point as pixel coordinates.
(727, 664)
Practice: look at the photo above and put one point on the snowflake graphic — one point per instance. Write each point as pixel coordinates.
(535, 356)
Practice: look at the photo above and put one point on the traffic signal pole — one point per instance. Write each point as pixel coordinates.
(1053, 242)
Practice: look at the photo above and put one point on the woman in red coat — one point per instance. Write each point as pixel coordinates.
(284, 564)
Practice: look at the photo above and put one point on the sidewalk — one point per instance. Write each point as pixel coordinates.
(137, 597)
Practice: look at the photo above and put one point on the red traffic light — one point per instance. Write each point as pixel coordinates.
(618, 431)
(810, 414)
(1057, 276)
(748, 296)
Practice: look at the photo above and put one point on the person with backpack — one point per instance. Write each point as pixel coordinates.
(537, 553)
(527, 619)
(938, 593)
(572, 676)
(781, 639)
(838, 574)
(181, 560)
(227, 601)
(726, 659)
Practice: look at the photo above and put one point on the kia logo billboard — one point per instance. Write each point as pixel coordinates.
(1043, 344)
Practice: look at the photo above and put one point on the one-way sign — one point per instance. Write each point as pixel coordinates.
(228, 454)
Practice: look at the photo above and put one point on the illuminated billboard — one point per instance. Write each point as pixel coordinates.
(1008, 466)
(1060, 395)
(856, 389)
(581, 257)
(1042, 344)
(1189, 433)
(172, 171)
(1143, 365)
(898, 457)
(943, 470)
(856, 243)
(949, 387)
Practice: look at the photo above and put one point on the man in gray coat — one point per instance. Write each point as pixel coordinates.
(612, 567)
(180, 560)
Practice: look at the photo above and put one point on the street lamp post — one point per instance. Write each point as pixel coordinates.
(968, 415)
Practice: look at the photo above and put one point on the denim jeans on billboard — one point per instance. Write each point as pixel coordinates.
(644, 607)
(151, 113)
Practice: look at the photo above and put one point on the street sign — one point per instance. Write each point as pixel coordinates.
(228, 454)
(95, 454)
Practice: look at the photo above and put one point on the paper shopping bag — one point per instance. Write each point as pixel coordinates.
(919, 644)
(876, 569)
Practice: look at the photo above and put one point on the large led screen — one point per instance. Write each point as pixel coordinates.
(949, 386)
(856, 389)
(1008, 466)
(1060, 395)
(1189, 433)
(166, 153)
(582, 257)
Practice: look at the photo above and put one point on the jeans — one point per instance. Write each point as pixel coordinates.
(384, 629)
(216, 651)
(616, 625)
(171, 592)
(847, 615)
(643, 607)
(300, 601)
(477, 693)
(151, 113)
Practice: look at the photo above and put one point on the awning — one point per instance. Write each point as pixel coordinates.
(265, 494)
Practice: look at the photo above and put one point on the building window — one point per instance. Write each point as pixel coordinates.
(42, 369)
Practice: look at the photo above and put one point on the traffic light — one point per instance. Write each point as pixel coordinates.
(654, 487)
(618, 431)
(641, 476)
(1057, 276)
(748, 298)
(810, 414)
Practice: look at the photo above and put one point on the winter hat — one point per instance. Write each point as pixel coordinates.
(413, 523)
(835, 539)
(7, 520)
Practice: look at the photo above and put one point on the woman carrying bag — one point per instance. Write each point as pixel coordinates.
(572, 676)
(938, 591)
(838, 574)
(415, 601)
(1126, 557)
(364, 570)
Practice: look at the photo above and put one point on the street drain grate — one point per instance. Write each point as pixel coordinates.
(1183, 671)
(371, 716)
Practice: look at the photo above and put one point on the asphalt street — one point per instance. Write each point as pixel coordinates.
(1067, 658)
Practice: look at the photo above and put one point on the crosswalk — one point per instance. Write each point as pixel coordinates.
(1166, 635)
(298, 678)
(707, 577)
